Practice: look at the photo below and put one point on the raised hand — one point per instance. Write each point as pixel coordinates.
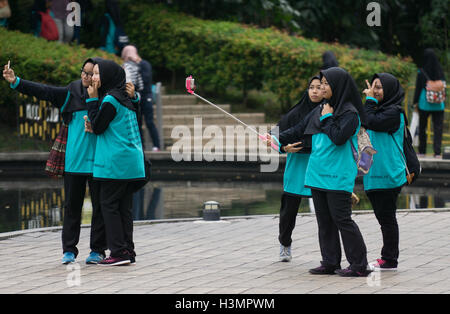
(8, 74)
(369, 90)
(93, 90)
(87, 125)
(327, 109)
(130, 89)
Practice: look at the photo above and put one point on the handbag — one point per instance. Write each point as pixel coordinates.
(56, 159)
(364, 155)
(435, 90)
(409, 156)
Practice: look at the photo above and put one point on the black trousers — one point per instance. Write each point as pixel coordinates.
(116, 198)
(75, 190)
(288, 215)
(438, 122)
(384, 205)
(333, 214)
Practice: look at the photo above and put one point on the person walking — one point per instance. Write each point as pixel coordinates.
(140, 74)
(430, 79)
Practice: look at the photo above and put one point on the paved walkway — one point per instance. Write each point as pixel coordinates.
(234, 256)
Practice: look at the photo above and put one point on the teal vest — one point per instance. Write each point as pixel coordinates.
(294, 174)
(118, 153)
(388, 168)
(332, 167)
(426, 106)
(80, 147)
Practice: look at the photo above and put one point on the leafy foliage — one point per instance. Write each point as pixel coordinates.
(41, 61)
(223, 54)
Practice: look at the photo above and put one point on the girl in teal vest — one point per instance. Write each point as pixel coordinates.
(295, 169)
(386, 127)
(332, 171)
(119, 158)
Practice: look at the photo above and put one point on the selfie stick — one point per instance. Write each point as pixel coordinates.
(190, 86)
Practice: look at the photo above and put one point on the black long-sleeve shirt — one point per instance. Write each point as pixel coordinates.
(382, 119)
(421, 81)
(338, 129)
(56, 95)
(100, 119)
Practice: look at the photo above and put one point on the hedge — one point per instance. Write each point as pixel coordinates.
(39, 60)
(223, 54)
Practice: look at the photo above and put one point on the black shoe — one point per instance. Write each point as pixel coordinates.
(352, 273)
(323, 270)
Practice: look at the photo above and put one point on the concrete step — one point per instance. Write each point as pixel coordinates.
(174, 100)
(213, 119)
(191, 109)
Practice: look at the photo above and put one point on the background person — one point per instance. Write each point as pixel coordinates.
(431, 72)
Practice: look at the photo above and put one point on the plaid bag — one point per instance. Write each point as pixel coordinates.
(55, 162)
(435, 90)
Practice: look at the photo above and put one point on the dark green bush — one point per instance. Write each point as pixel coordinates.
(41, 61)
(223, 54)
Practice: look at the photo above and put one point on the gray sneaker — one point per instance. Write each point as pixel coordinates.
(285, 253)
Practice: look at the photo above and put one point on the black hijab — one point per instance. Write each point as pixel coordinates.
(78, 96)
(329, 60)
(112, 78)
(345, 98)
(299, 111)
(432, 66)
(79, 92)
(393, 93)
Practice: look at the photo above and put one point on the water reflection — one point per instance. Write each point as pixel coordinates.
(36, 204)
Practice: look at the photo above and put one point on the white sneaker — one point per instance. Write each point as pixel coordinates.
(285, 253)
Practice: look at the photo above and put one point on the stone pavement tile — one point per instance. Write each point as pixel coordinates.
(229, 290)
(196, 290)
(168, 290)
(364, 290)
(233, 258)
(268, 290)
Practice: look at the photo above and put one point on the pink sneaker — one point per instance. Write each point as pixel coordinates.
(114, 261)
(383, 265)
